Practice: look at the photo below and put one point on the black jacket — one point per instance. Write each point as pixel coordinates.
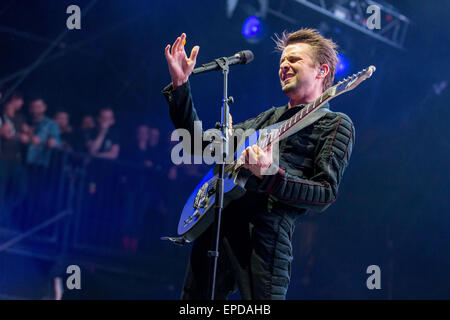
(312, 161)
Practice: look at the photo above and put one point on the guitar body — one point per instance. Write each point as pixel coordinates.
(195, 220)
(199, 211)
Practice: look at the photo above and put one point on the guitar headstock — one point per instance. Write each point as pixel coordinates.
(353, 81)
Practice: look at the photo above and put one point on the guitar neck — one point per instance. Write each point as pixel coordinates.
(341, 87)
(297, 118)
(267, 141)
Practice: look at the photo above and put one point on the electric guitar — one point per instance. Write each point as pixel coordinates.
(199, 211)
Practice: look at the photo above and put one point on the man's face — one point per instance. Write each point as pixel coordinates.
(62, 119)
(106, 118)
(14, 105)
(87, 123)
(142, 133)
(37, 107)
(154, 136)
(297, 68)
(18, 103)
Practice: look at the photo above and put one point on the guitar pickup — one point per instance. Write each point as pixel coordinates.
(211, 190)
(192, 217)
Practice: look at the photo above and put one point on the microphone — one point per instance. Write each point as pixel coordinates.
(242, 57)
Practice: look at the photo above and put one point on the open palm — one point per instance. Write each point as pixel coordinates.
(180, 66)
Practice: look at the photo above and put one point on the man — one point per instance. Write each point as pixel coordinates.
(62, 119)
(13, 129)
(144, 152)
(44, 134)
(144, 149)
(255, 245)
(104, 140)
(87, 123)
(82, 133)
(13, 138)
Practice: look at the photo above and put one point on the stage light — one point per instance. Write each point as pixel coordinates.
(341, 12)
(253, 29)
(343, 65)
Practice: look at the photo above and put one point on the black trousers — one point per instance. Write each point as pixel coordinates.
(255, 254)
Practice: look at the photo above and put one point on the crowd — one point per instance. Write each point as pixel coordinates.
(29, 137)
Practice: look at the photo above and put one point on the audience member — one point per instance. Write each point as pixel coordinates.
(44, 135)
(145, 150)
(87, 123)
(82, 134)
(67, 134)
(103, 141)
(13, 129)
(13, 138)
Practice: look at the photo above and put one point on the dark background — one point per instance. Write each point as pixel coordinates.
(392, 209)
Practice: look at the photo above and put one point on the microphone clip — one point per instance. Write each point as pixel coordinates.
(222, 63)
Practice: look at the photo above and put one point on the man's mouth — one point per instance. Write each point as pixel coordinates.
(287, 76)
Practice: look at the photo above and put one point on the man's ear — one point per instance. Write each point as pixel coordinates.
(323, 71)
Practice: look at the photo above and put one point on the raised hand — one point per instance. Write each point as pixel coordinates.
(180, 66)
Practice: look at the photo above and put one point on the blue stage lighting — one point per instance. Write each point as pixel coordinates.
(343, 66)
(253, 29)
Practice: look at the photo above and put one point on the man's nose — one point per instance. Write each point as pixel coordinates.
(284, 67)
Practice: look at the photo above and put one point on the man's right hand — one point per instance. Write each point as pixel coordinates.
(180, 66)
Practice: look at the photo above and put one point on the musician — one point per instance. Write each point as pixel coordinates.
(255, 245)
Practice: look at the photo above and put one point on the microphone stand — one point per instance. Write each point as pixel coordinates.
(225, 112)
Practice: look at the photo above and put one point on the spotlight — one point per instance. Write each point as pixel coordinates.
(343, 65)
(341, 12)
(253, 29)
